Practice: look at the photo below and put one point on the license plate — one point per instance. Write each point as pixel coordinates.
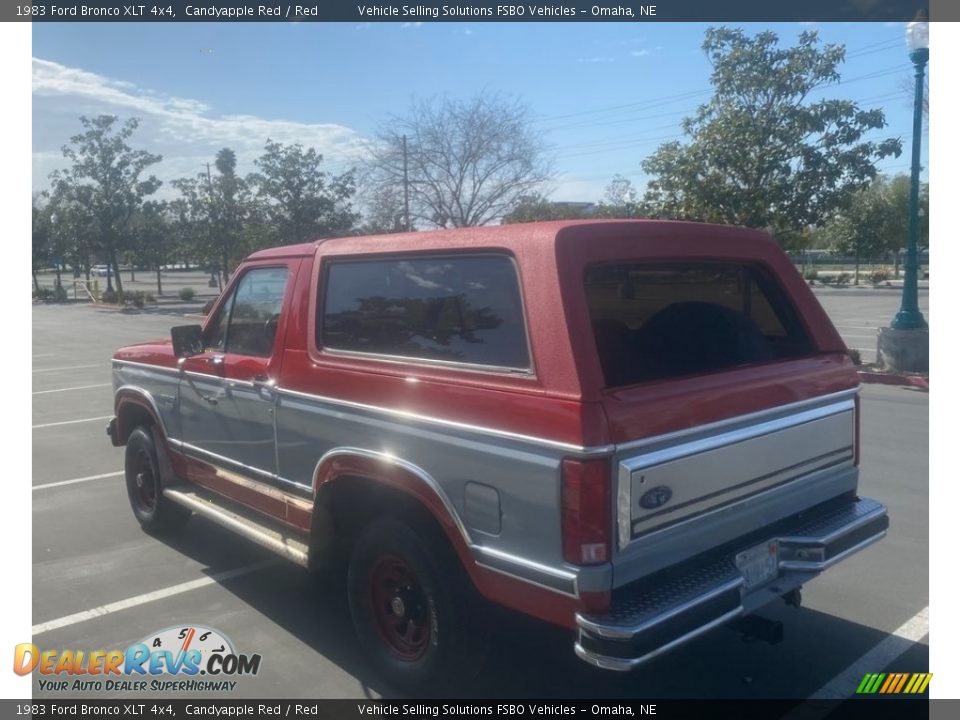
(758, 565)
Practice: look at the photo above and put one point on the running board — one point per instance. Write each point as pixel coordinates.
(250, 525)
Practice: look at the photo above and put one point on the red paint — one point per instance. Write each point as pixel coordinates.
(562, 400)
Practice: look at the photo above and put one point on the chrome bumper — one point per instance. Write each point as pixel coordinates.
(654, 615)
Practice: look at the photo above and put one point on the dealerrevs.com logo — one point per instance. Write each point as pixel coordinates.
(184, 658)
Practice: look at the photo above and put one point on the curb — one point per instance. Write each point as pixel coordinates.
(879, 378)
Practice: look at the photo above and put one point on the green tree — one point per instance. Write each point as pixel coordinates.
(621, 200)
(761, 152)
(106, 177)
(536, 207)
(40, 257)
(152, 235)
(299, 199)
(875, 222)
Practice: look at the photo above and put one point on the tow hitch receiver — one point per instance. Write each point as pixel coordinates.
(755, 627)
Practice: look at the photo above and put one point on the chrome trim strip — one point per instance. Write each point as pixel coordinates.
(627, 632)
(623, 664)
(741, 419)
(549, 578)
(415, 470)
(566, 447)
(429, 362)
(148, 366)
(299, 486)
(819, 566)
(732, 437)
(145, 394)
(194, 450)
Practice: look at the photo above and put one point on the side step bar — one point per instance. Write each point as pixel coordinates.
(250, 525)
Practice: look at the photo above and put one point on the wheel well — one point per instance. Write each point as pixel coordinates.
(347, 504)
(131, 415)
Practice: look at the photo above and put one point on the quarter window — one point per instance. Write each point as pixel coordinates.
(454, 309)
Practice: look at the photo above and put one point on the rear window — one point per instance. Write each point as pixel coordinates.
(654, 321)
(451, 309)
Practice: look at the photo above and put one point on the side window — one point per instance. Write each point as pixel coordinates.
(247, 323)
(456, 309)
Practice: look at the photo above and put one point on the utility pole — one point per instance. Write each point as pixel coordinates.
(406, 189)
(219, 285)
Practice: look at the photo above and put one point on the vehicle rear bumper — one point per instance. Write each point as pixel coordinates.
(656, 614)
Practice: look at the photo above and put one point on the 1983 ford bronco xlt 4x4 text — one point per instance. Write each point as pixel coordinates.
(637, 430)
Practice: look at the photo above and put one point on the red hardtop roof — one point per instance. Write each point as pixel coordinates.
(512, 235)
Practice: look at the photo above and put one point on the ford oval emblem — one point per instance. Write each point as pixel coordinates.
(655, 497)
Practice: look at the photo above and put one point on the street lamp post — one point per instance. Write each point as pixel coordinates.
(909, 317)
(905, 345)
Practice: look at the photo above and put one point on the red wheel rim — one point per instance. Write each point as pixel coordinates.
(400, 609)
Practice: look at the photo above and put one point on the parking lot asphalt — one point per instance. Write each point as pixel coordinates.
(857, 312)
(89, 556)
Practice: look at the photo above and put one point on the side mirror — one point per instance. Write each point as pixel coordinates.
(187, 340)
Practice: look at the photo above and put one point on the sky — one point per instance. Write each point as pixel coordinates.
(604, 95)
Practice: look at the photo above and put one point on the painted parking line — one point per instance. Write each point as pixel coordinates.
(66, 389)
(877, 658)
(71, 422)
(74, 481)
(149, 597)
(68, 367)
(44, 355)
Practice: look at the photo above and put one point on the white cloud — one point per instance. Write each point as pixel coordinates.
(411, 25)
(598, 59)
(639, 53)
(186, 131)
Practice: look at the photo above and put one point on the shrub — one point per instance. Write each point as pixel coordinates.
(879, 276)
(43, 294)
(843, 278)
(150, 298)
(811, 274)
(186, 294)
(109, 296)
(855, 356)
(59, 294)
(138, 299)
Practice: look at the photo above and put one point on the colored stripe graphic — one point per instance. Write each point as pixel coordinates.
(894, 683)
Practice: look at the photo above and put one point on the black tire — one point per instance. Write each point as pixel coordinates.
(155, 514)
(437, 612)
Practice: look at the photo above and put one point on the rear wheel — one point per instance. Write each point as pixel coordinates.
(154, 513)
(413, 610)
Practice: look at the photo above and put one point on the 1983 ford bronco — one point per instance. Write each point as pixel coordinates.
(637, 430)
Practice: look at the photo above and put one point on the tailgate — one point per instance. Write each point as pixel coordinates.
(685, 492)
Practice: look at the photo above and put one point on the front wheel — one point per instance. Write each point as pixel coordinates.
(411, 607)
(155, 513)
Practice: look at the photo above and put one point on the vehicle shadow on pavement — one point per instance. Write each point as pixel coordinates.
(529, 659)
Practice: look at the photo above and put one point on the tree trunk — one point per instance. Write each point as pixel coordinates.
(856, 265)
(159, 286)
(36, 282)
(896, 264)
(116, 271)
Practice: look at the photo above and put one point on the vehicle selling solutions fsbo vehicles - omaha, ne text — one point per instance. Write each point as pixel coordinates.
(638, 430)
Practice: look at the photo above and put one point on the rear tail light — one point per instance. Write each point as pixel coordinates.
(586, 511)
